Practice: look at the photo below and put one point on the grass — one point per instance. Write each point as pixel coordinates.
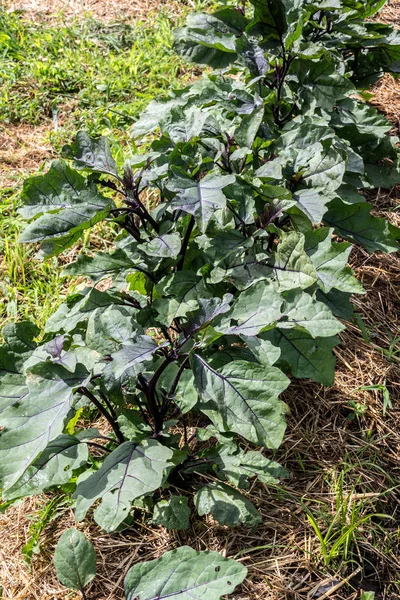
(101, 74)
(54, 81)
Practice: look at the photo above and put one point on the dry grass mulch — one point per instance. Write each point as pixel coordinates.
(106, 10)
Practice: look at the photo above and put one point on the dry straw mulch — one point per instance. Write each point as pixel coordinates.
(109, 10)
(325, 439)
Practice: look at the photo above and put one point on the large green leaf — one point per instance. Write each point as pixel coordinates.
(321, 83)
(322, 165)
(208, 310)
(237, 466)
(243, 397)
(38, 419)
(54, 467)
(256, 308)
(109, 328)
(79, 309)
(292, 267)
(355, 222)
(75, 560)
(312, 202)
(305, 356)
(130, 471)
(91, 153)
(100, 265)
(330, 260)
(180, 293)
(130, 357)
(305, 313)
(69, 201)
(210, 39)
(18, 348)
(201, 199)
(184, 574)
(227, 505)
(163, 246)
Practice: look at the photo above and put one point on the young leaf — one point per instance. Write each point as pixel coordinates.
(75, 560)
(226, 505)
(173, 513)
(184, 574)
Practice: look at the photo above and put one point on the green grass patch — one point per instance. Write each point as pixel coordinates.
(104, 73)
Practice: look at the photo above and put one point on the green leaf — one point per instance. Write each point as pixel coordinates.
(246, 133)
(243, 397)
(305, 313)
(218, 246)
(291, 265)
(208, 310)
(69, 202)
(182, 290)
(312, 202)
(354, 222)
(306, 357)
(78, 311)
(186, 396)
(256, 308)
(38, 419)
(184, 574)
(210, 39)
(321, 84)
(173, 513)
(109, 328)
(330, 260)
(18, 348)
(227, 505)
(201, 199)
(54, 467)
(163, 246)
(100, 265)
(322, 165)
(59, 189)
(91, 153)
(131, 357)
(130, 471)
(237, 466)
(265, 352)
(75, 560)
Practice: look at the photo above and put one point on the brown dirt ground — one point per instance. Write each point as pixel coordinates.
(321, 440)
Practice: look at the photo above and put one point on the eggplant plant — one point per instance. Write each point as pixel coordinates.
(229, 272)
